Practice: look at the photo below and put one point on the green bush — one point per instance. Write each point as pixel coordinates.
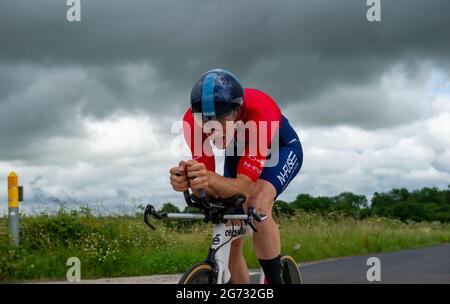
(281, 208)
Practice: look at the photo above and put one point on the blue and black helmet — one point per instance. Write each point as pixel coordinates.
(216, 94)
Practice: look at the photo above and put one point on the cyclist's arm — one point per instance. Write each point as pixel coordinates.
(210, 192)
(227, 187)
(202, 178)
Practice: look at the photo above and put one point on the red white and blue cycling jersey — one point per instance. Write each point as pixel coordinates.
(260, 108)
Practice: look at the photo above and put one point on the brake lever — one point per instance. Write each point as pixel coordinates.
(147, 213)
(259, 217)
(150, 210)
(256, 216)
(249, 220)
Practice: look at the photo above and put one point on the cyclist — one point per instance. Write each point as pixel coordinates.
(218, 98)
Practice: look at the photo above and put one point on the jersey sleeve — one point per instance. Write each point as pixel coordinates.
(268, 120)
(195, 139)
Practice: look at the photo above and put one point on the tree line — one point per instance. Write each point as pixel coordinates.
(426, 204)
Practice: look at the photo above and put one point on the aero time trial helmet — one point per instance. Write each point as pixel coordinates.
(216, 94)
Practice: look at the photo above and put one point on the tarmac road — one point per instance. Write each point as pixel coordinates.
(423, 266)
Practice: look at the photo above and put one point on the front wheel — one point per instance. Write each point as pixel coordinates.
(198, 274)
(290, 270)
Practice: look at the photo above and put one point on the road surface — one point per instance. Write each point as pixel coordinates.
(426, 265)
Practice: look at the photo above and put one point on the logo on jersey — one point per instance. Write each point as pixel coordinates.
(252, 167)
(288, 167)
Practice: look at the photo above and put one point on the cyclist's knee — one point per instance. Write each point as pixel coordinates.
(262, 197)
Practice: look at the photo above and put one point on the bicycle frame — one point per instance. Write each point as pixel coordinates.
(223, 236)
(223, 233)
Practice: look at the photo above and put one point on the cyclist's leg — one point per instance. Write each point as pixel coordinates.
(273, 181)
(237, 265)
(267, 240)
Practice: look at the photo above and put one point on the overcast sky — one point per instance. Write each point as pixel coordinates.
(87, 108)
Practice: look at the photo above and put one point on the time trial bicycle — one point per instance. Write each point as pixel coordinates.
(221, 212)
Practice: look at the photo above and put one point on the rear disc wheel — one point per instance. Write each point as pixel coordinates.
(290, 270)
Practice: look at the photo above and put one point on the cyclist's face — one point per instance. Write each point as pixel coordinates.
(221, 131)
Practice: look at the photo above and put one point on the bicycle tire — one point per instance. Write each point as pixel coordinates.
(290, 270)
(201, 273)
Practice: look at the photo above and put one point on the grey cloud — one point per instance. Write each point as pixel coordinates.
(49, 101)
(292, 48)
(145, 55)
(399, 96)
(42, 107)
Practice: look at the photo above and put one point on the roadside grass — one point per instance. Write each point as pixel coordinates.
(124, 246)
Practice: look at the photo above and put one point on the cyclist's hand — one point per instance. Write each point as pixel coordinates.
(178, 177)
(198, 175)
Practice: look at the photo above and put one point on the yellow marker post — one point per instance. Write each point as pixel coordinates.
(13, 206)
(13, 190)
